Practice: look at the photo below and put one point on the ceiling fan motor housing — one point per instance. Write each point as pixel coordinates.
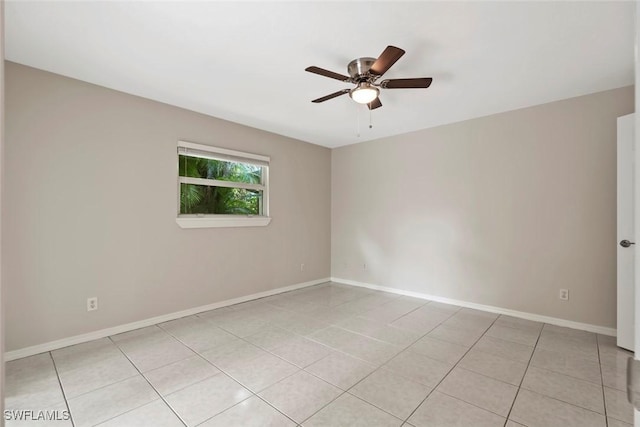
(359, 68)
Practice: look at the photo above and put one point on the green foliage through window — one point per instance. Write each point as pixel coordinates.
(197, 167)
(219, 199)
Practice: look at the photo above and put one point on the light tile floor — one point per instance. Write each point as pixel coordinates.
(331, 355)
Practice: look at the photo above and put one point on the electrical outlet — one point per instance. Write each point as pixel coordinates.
(301, 267)
(564, 294)
(92, 303)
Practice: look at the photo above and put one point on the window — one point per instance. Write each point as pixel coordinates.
(221, 188)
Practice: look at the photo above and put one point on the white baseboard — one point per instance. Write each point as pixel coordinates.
(79, 339)
(498, 310)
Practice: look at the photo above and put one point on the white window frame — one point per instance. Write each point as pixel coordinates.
(215, 220)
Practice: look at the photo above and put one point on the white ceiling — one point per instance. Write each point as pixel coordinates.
(245, 61)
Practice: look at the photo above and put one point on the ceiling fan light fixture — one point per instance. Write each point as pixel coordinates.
(364, 72)
(364, 93)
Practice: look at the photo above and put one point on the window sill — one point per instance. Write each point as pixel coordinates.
(212, 222)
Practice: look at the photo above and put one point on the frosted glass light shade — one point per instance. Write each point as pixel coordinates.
(364, 93)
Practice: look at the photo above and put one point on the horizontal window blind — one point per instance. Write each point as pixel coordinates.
(205, 152)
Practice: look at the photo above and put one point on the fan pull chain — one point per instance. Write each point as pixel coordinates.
(370, 120)
(358, 120)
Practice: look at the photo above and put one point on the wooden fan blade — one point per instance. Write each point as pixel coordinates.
(327, 73)
(374, 104)
(386, 59)
(331, 96)
(421, 83)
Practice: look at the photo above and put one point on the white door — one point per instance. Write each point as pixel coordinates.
(626, 233)
(628, 332)
(637, 195)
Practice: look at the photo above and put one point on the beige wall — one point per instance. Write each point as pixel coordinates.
(90, 207)
(502, 210)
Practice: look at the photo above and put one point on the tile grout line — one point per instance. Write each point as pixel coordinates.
(278, 410)
(406, 420)
(407, 348)
(379, 367)
(473, 404)
(253, 394)
(604, 397)
(402, 315)
(64, 394)
(485, 376)
(560, 400)
(346, 391)
(148, 382)
(343, 392)
(315, 376)
(288, 376)
(524, 374)
(354, 314)
(565, 375)
(498, 357)
(521, 381)
(558, 372)
(104, 386)
(381, 341)
(309, 338)
(197, 353)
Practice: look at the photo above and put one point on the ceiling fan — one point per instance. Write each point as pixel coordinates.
(364, 72)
